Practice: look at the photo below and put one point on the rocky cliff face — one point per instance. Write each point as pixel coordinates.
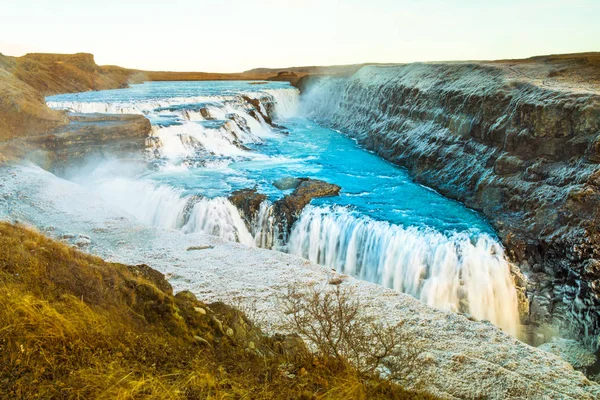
(88, 135)
(518, 141)
(24, 81)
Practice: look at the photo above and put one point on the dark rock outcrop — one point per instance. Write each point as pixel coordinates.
(522, 151)
(287, 209)
(282, 214)
(88, 135)
(258, 110)
(248, 202)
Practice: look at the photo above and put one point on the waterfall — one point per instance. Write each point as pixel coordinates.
(286, 102)
(264, 228)
(218, 217)
(192, 129)
(181, 141)
(169, 208)
(454, 272)
(460, 272)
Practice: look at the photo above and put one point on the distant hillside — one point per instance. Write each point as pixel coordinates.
(578, 68)
(25, 81)
(331, 69)
(62, 73)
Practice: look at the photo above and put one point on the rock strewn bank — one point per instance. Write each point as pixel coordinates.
(518, 141)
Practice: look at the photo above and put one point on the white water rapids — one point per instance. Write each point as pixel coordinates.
(452, 272)
(455, 273)
(458, 272)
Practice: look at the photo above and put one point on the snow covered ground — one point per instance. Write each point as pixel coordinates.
(465, 359)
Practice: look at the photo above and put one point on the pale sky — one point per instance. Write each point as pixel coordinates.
(236, 35)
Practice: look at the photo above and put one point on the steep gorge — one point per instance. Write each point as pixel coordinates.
(518, 141)
(458, 148)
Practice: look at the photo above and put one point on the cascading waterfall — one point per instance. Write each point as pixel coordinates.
(453, 272)
(264, 228)
(187, 128)
(461, 272)
(194, 128)
(169, 208)
(220, 218)
(286, 106)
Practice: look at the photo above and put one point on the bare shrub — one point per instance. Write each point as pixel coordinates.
(331, 320)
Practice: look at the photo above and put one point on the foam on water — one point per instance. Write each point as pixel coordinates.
(169, 208)
(456, 272)
(211, 138)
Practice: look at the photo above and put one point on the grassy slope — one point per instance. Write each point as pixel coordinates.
(74, 326)
(25, 81)
(22, 107)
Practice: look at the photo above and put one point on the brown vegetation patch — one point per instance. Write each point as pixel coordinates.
(74, 326)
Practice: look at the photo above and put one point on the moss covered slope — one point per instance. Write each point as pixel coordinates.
(74, 326)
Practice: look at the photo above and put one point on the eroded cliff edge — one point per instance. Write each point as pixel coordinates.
(26, 80)
(517, 140)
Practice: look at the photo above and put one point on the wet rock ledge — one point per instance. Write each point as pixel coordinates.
(87, 135)
(285, 211)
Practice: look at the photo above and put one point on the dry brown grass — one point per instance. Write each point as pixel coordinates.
(75, 327)
(332, 319)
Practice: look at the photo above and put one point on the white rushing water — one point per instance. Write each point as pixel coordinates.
(461, 272)
(168, 208)
(220, 125)
(454, 273)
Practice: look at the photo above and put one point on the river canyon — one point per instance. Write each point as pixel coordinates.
(466, 186)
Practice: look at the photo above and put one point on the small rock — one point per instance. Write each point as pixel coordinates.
(219, 325)
(286, 183)
(336, 280)
(82, 242)
(192, 248)
(200, 310)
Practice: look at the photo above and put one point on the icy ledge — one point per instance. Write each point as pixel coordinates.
(465, 359)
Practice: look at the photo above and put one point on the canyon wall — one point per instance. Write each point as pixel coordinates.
(516, 140)
(26, 80)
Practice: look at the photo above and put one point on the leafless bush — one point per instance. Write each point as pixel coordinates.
(330, 318)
